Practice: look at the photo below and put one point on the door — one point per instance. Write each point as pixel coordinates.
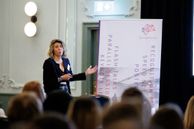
(90, 55)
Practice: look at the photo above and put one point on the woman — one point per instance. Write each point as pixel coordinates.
(57, 69)
(189, 114)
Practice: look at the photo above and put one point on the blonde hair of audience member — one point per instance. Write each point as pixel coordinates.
(122, 116)
(23, 107)
(36, 87)
(85, 113)
(189, 114)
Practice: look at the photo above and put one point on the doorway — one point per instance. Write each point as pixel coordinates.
(90, 55)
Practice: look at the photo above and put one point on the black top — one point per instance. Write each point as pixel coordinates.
(4, 123)
(51, 73)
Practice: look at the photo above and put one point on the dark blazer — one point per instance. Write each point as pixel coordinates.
(51, 73)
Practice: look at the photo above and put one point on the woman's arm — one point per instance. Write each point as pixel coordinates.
(79, 76)
(82, 76)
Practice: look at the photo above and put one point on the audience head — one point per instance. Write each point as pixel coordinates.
(21, 125)
(135, 97)
(36, 87)
(166, 117)
(122, 116)
(57, 101)
(174, 107)
(85, 113)
(23, 107)
(51, 121)
(189, 114)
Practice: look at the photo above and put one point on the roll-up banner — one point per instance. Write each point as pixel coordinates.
(129, 56)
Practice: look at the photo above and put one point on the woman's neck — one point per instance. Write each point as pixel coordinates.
(57, 59)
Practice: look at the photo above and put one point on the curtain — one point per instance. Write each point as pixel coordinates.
(176, 82)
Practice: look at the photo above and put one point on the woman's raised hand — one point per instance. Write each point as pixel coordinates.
(91, 70)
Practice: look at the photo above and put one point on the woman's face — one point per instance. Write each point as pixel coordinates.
(57, 49)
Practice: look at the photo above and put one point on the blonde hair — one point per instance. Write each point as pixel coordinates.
(189, 114)
(51, 47)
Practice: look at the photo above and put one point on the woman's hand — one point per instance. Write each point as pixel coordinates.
(66, 77)
(91, 70)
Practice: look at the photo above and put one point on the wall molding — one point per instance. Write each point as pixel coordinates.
(7, 83)
(87, 9)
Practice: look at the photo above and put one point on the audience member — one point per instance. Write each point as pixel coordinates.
(176, 108)
(36, 87)
(51, 121)
(189, 114)
(57, 101)
(85, 113)
(135, 97)
(122, 116)
(3, 120)
(166, 117)
(23, 107)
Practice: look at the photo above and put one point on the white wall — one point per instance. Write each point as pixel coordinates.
(21, 58)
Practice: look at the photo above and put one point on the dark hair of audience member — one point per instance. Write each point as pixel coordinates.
(122, 116)
(85, 113)
(134, 96)
(51, 120)
(57, 101)
(36, 87)
(189, 114)
(166, 117)
(23, 107)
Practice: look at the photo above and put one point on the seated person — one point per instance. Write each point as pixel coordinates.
(36, 87)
